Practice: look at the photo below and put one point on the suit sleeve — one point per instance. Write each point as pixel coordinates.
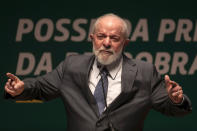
(161, 101)
(44, 87)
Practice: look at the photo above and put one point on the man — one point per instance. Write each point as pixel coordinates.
(107, 90)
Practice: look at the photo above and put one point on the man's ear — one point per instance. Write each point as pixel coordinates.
(91, 36)
(126, 42)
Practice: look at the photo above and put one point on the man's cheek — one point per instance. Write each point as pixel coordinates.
(118, 49)
(98, 45)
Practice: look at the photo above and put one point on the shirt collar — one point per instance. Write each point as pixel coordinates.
(112, 71)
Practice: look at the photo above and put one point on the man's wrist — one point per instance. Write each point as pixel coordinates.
(178, 104)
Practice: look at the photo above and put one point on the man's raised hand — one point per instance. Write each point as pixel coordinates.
(14, 86)
(175, 91)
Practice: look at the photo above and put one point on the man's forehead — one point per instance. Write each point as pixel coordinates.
(109, 24)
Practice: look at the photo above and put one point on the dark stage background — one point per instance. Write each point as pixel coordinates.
(37, 35)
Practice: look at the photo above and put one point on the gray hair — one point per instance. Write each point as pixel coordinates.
(125, 30)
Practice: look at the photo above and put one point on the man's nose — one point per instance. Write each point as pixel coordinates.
(107, 43)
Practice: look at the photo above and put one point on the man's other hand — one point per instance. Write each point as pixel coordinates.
(14, 86)
(175, 91)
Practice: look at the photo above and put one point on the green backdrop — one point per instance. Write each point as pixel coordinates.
(36, 36)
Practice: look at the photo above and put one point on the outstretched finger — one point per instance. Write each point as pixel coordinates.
(13, 77)
(167, 79)
(170, 84)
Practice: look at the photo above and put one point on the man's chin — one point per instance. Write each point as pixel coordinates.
(106, 58)
(106, 61)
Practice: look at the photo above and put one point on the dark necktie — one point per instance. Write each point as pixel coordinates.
(99, 92)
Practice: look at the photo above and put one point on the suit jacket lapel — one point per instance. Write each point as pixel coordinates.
(129, 71)
(85, 88)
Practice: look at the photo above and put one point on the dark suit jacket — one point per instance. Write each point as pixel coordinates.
(142, 89)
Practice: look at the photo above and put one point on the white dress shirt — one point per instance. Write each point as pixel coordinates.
(114, 80)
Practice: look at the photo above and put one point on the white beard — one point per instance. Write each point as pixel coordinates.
(111, 59)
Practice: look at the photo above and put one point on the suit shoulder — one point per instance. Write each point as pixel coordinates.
(78, 60)
(140, 63)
